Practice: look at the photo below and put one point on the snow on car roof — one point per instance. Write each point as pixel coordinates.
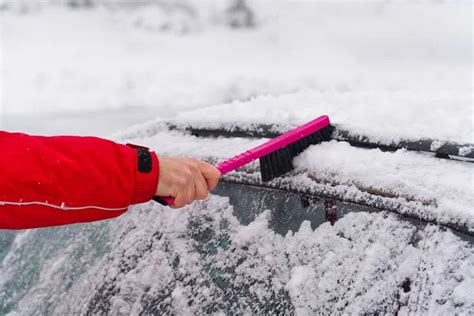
(385, 116)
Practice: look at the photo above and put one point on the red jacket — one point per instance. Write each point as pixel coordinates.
(49, 181)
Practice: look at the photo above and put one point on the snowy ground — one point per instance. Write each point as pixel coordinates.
(390, 70)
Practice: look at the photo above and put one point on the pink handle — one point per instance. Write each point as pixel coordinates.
(168, 200)
(267, 148)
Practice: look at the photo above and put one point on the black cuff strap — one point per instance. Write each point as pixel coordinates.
(144, 160)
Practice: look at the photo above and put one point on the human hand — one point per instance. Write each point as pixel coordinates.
(186, 179)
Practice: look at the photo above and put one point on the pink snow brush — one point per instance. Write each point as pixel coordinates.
(276, 156)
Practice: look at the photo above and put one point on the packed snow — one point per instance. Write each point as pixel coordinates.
(388, 70)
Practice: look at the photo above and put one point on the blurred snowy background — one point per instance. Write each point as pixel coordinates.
(98, 66)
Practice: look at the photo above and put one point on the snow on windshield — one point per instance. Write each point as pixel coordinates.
(202, 260)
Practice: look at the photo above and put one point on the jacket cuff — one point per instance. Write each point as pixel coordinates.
(146, 183)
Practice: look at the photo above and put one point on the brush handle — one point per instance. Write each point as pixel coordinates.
(264, 149)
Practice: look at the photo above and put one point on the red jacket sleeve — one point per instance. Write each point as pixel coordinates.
(49, 181)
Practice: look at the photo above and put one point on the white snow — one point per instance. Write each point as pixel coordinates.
(444, 185)
(249, 234)
(154, 259)
(390, 70)
(464, 151)
(384, 116)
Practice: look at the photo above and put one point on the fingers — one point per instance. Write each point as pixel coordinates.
(186, 179)
(201, 186)
(210, 173)
(186, 190)
(185, 197)
(189, 192)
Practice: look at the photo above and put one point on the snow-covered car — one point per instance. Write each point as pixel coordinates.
(378, 220)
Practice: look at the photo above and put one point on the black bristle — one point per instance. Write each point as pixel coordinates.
(317, 137)
(314, 138)
(288, 160)
(327, 132)
(291, 149)
(265, 166)
(304, 143)
(281, 161)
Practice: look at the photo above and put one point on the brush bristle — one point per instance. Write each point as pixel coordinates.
(280, 161)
